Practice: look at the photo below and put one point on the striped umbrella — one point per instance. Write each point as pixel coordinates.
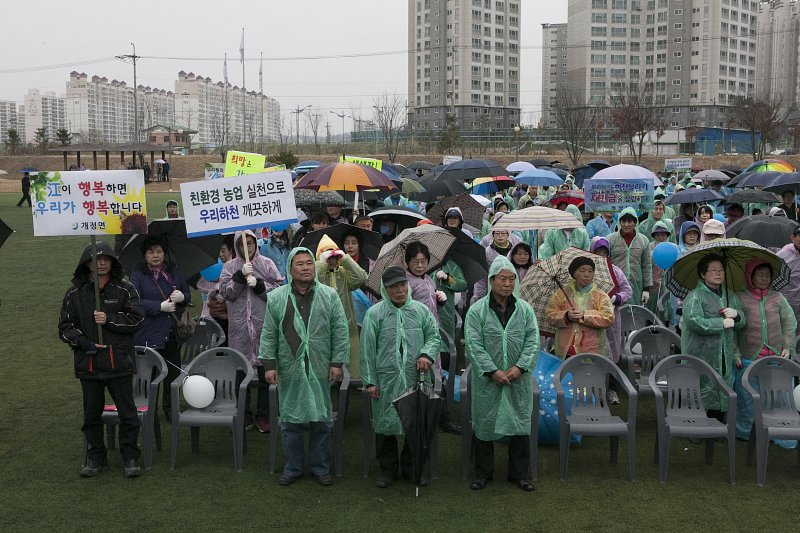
(536, 218)
(682, 277)
(345, 177)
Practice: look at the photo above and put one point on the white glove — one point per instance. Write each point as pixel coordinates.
(730, 313)
(338, 253)
(727, 323)
(167, 307)
(251, 281)
(785, 352)
(442, 275)
(247, 269)
(441, 297)
(177, 296)
(645, 297)
(614, 299)
(220, 298)
(327, 254)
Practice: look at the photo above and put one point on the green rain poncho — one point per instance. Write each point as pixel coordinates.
(703, 336)
(635, 260)
(556, 241)
(645, 227)
(447, 312)
(303, 386)
(392, 339)
(498, 411)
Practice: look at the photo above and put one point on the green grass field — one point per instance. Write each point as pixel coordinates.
(41, 451)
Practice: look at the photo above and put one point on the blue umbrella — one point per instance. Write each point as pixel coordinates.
(538, 177)
(30, 170)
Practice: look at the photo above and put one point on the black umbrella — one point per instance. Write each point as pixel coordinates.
(5, 232)
(469, 256)
(435, 187)
(695, 195)
(191, 255)
(539, 162)
(770, 232)
(371, 240)
(752, 196)
(756, 179)
(790, 181)
(469, 169)
(419, 409)
(424, 165)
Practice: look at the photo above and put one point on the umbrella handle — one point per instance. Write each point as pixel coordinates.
(421, 378)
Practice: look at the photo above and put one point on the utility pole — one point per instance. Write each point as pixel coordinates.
(297, 112)
(342, 116)
(133, 57)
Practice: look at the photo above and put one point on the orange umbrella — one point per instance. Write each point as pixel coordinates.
(345, 177)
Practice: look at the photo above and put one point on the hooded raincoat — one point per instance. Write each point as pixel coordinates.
(645, 227)
(598, 227)
(498, 411)
(303, 386)
(622, 296)
(791, 254)
(635, 259)
(247, 305)
(703, 336)
(588, 335)
(456, 282)
(556, 241)
(656, 291)
(276, 249)
(392, 339)
(347, 278)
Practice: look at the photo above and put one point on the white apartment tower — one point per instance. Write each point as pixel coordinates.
(464, 59)
(777, 61)
(697, 56)
(9, 120)
(554, 70)
(44, 110)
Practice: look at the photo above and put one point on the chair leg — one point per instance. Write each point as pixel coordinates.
(238, 445)
(563, 447)
(157, 431)
(762, 454)
(655, 450)
(709, 451)
(632, 455)
(195, 432)
(732, 457)
(663, 458)
(751, 445)
(614, 448)
(176, 428)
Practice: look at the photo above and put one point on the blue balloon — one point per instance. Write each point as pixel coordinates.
(720, 217)
(213, 272)
(665, 254)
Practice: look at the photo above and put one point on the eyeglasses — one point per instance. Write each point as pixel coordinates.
(418, 262)
(716, 270)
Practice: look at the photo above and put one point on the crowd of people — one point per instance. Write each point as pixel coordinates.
(301, 314)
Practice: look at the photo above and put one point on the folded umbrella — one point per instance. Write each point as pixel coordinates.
(770, 232)
(371, 240)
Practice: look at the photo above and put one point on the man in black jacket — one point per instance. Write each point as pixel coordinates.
(107, 365)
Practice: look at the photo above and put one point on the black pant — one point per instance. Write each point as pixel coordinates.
(386, 453)
(172, 355)
(26, 197)
(121, 391)
(519, 458)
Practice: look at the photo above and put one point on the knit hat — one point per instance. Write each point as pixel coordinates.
(579, 262)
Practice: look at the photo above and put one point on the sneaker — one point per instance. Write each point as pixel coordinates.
(93, 467)
(249, 423)
(613, 397)
(263, 424)
(131, 468)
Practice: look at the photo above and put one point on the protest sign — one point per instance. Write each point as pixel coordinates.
(237, 203)
(100, 202)
(446, 160)
(678, 165)
(367, 161)
(617, 194)
(238, 163)
(214, 170)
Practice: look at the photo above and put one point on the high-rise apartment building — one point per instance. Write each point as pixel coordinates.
(778, 48)
(44, 110)
(695, 57)
(215, 111)
(554, 69)
(464, 60)
(10, 120)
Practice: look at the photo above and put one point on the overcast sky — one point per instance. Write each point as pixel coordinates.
(84, 34)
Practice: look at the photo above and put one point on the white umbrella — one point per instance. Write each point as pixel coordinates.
(481, 199)
(159, 162)
(3, 172)
(519, 166)
(623, 172)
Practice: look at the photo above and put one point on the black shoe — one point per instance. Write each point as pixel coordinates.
(288, 479)
(93, 467)
(384, 482)
(525, 485)
(479, 484)
(131, 468)
(423, 482)
(326, 480)
(450, 427)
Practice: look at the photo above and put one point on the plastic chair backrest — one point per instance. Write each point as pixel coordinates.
(220, 365)
(207, 334)
(655, 343)
(683, 373)
(773, 379)
(635, 317)
(144, 382)
(589, 382)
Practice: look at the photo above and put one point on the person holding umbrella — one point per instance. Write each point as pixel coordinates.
(107, 363)
(711, 318)
(164, 294)
(788, 204)
(399, 340)
(620, 297)
(304, 344)
(630, 251)
(558, 240)
(503, 339)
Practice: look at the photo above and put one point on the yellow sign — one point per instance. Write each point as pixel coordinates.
(374, 163)
(238, 163)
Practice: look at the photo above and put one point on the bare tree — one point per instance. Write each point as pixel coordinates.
(390, 113)
(633, 114)
(285, 130)
(219, 133)
(314, 120)
(759, 114)
(577, 122)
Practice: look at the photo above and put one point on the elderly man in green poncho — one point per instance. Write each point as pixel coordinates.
(503, 346)
(399, 339)
(304, 344)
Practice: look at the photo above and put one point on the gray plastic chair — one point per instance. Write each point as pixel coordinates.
(220, 366)
(207, 334)
(655, 343)
(590, 414)
(466, 417)
(636, 317)
(449, 384)
(770, 381)
(684, 415)
(337, 431)
(151, 369)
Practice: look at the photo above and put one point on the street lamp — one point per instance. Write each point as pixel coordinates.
(297, 112)
(342, 116)
(517, 129)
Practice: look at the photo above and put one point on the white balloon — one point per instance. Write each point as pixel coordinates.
(198, 391)
(797, 397)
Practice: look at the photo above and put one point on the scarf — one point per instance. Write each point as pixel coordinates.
(160, 271)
